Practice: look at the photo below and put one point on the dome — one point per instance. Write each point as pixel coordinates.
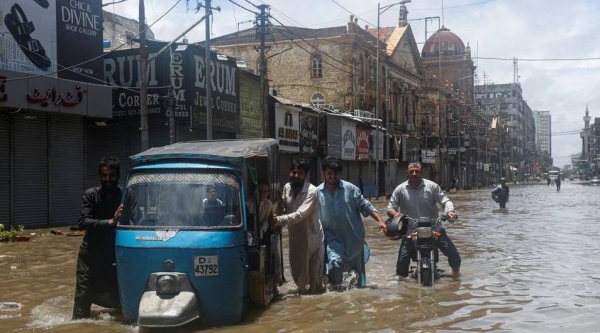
(451, 44)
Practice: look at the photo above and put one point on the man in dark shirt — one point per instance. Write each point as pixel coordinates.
(101, 210)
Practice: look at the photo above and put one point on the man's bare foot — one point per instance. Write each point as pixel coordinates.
(455, 273)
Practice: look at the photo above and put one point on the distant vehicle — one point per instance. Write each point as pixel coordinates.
(553, 174)
(595, 181)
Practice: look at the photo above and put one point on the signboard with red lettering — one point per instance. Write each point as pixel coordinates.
(362, 144)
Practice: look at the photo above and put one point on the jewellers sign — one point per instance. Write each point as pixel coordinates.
(185, 76)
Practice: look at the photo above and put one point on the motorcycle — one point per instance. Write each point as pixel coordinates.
(426, 240)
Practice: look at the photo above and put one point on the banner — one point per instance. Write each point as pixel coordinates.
(348, 140)
(287, 127)
(334, 136)
(309, 129)
(362, 144)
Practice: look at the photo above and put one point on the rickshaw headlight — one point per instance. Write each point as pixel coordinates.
(167, 284)
(424, 232)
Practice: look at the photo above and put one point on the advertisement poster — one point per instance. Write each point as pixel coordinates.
(348, 140)
(54, 38)
(334, 136)
(79, 38)
(28, 41)
(287, 127)
(362, 144)
(309, 124)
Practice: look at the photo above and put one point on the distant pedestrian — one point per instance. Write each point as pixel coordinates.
(500, 194)
(557, 181)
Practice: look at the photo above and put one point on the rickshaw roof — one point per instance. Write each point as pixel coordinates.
(234, 150)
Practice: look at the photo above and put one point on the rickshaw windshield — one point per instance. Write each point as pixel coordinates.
(186, 199)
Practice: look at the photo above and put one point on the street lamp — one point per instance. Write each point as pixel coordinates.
(242, 22)
(381, 10)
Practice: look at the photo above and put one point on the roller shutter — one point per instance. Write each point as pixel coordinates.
(4, 169)
(66, 168)
(30, 170)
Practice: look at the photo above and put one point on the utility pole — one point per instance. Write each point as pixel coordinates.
(207, 66)
(262, 30)
(142, 76)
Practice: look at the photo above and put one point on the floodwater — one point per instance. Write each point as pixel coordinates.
(533, 267)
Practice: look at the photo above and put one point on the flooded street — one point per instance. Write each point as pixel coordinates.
(534, 267)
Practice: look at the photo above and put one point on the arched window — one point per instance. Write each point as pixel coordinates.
(316, 66)
(317, 99)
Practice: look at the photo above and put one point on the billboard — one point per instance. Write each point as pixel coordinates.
(334, 136)
(58, 38)
(362, 144)
(287, 127)
(348, 140)
(184, 78)
(309, 125)
(249, 105)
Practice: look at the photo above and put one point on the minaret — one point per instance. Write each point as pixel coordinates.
(587, 117)
(403, 20)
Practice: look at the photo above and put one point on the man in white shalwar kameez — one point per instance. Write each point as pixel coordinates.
(299, 206)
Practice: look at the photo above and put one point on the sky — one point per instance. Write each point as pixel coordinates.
(555, 42)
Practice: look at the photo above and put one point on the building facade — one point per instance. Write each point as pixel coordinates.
(543, 133)
(517, 127)
(336, 69)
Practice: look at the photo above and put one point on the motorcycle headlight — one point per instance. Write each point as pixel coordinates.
(167, 284)
(424, 232)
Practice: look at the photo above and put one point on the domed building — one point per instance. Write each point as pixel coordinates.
(449, 87)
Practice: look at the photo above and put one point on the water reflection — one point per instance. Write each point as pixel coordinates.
(532, 267)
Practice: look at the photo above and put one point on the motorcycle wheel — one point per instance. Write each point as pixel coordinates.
(425, 268)
(426, 278)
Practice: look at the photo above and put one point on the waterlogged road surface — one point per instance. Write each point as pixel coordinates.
(534, 267)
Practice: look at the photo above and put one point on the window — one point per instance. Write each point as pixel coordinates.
(185, 200)
(317, 99)
(317, 66)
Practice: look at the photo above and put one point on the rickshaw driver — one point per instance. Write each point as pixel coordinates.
(211, 200)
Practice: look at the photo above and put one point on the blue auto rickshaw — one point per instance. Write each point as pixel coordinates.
(187, 256)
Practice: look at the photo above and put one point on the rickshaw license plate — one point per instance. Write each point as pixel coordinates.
(206, 265)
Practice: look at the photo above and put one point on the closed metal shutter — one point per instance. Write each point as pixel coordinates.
(30, 170)
(66, 168)
(4, 169)
(159, 134)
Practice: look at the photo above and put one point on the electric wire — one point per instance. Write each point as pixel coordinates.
(314, 47)
(344, 8)
(235, 3)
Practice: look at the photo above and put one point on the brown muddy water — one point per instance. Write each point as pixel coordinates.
(533, 267)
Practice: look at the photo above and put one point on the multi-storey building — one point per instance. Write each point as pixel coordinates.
(543, 131)
(515, 118)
